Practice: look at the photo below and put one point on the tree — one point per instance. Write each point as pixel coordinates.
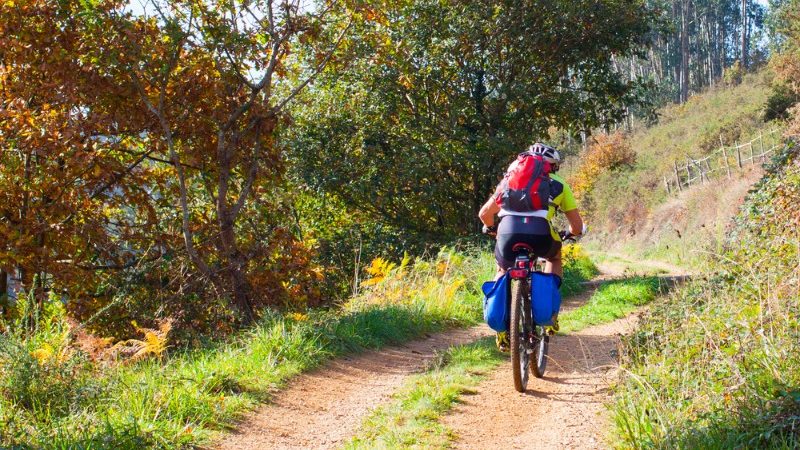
(417, 130)
(216, 78)
(787, 62)
(64, 153)
(700, 40)
(134, 142)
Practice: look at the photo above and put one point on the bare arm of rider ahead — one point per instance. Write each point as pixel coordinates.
(575, 222)
(490, 209)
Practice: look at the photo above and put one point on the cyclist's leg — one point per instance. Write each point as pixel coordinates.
(554, 264)
(553, 256)
(505, 240)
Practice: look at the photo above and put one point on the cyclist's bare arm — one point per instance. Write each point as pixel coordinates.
(575, 222)
(488, 211)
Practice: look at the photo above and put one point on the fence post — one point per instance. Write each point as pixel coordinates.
(752, 158)
(703, 175)
(727, 166)
(738, 155)
(688, 171)
(708, 168)
(725, 157)
(761, 144)
(677, 177)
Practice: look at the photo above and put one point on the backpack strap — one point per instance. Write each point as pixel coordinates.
(536, 180)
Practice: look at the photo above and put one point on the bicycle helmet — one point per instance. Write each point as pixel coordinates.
(549, 154)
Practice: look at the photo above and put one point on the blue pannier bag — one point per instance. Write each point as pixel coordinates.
(545, 298)
(495, 303)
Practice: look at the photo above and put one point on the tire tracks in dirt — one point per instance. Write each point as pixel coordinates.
(322, 409)
(563, 410)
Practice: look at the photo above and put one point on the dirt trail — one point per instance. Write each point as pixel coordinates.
(564, 410)
(324, 408)
(619, 264)
(320, 410)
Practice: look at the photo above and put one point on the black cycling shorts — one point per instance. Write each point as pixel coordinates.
(533, 231)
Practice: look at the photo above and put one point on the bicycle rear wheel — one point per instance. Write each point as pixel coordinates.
(520, 359)
(541, 343)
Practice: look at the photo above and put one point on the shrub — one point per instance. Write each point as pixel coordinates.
(779, 103)
(734, 74)
(40, 371)
(716, 365)
(607, 152)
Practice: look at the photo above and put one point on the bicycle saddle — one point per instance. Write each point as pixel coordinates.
(521, 246)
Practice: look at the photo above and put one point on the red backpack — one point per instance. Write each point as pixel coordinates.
(527, 185)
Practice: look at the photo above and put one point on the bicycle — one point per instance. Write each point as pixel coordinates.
(527, 340)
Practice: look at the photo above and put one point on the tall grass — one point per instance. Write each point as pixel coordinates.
(629, 209)
(717, 364)
(53, 396)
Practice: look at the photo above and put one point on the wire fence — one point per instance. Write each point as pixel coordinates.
(723, 162)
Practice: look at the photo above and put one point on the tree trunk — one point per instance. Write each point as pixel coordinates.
(242, 290)
(722, 49)
(744, 35)
(684, 78)
(234, 263)
(4, 302)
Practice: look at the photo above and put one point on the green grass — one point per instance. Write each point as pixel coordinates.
(411, 419)
(611, 301)
(189, 397)
(577, 271)
(716, 365)
(629, 209)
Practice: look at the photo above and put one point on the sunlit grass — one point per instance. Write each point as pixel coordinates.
(187, 398)
(612, 300)
(412, 418)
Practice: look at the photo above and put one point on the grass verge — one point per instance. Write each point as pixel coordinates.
(53, 396)
(578, 268)
(612, 300)
(411, 420)
(716, 365)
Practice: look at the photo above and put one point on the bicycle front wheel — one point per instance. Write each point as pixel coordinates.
(520, 359)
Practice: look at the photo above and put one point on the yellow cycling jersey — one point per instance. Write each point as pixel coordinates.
(561, 195)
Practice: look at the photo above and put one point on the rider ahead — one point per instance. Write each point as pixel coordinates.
(526, 201)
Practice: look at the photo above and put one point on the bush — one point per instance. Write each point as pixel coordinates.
(607, 152)
(42, 375)
(717, 365)
(779, 103)
(734, 74)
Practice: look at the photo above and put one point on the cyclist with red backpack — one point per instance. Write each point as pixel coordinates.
(526, 201)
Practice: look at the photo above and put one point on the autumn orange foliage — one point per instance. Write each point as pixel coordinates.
(139, 173)
(787, 62)
(607, 152)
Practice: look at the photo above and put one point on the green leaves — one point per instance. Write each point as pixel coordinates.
(445, 93)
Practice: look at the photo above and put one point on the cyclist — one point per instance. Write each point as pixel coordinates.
(529, 225)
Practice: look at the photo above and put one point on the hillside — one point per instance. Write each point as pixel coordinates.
(629, 207)
(716, 364)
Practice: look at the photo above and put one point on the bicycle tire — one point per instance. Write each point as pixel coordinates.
(541, 344)
(519, 355)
